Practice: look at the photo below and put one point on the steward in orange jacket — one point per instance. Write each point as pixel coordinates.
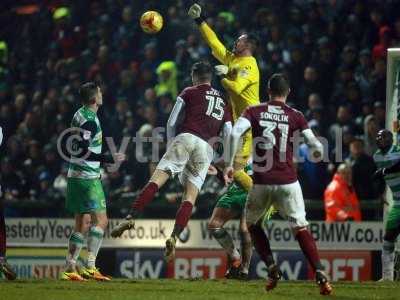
(341, 202)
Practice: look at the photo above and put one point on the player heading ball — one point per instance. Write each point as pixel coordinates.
(200, 113)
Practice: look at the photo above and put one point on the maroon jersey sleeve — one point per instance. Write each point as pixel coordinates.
(185, 95)
(302, 123)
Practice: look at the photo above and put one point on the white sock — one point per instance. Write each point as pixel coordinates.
(94, 241)
(226, 242)
(388, 260)
(75, 245)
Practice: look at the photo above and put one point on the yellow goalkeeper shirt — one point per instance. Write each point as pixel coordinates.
(243, 85)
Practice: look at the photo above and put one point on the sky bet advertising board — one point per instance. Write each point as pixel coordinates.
(212, 264)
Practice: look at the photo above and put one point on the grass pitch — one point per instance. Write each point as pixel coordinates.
(188, 289)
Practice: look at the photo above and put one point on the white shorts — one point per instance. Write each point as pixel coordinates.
(287, 199)
(188, 156)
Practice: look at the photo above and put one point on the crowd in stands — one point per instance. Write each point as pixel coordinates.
(334, 53)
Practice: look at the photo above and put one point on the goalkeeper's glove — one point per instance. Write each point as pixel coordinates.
(221, 70)
(195, 13)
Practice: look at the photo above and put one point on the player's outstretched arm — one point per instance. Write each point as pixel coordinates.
(389, 170)
(313, 142)
(87, 132)
(218, 49)
(236, 85)
(174, 118)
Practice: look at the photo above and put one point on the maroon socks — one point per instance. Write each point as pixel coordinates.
(146, 196)
(182, 217)
(309, 248)
(261, 243)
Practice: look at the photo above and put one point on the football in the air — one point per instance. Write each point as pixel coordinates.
(151, 22)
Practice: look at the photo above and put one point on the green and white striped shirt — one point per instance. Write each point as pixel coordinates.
(79, 167)
(392, 180)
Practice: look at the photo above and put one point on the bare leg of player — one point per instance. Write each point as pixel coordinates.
(181, 219)
(5, 268)
(246, 245)
(147, 194)
(309, 248)
(218, 219)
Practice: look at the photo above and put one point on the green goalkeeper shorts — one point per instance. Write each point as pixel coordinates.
(393, 219)
(233, 199)
(85, 196)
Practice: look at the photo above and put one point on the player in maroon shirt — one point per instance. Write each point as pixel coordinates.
(199, 115)
(275, 126)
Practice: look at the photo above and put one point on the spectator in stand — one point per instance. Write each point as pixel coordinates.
(377, 20)
(167, 83)
(353, 97)
(151, 57)
(295, 69)
(325, 64)
(349, 56)
(310, 85)
(378, 82)
(362, 170)
(396, 33)
(370, 133)
(345, 74)
(363, 73)
(385, 41)
(341, 202)
(312, 176)
(380, 114)
(314, 102)
(343, 118)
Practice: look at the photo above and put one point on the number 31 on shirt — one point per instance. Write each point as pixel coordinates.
(270, 136)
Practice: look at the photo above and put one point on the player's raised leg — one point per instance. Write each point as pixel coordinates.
(258, 201)
(5, 268)
(182, 218)
(147, 194)
(216, 227)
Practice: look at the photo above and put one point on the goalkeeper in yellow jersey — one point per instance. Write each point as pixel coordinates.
(241, 80)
